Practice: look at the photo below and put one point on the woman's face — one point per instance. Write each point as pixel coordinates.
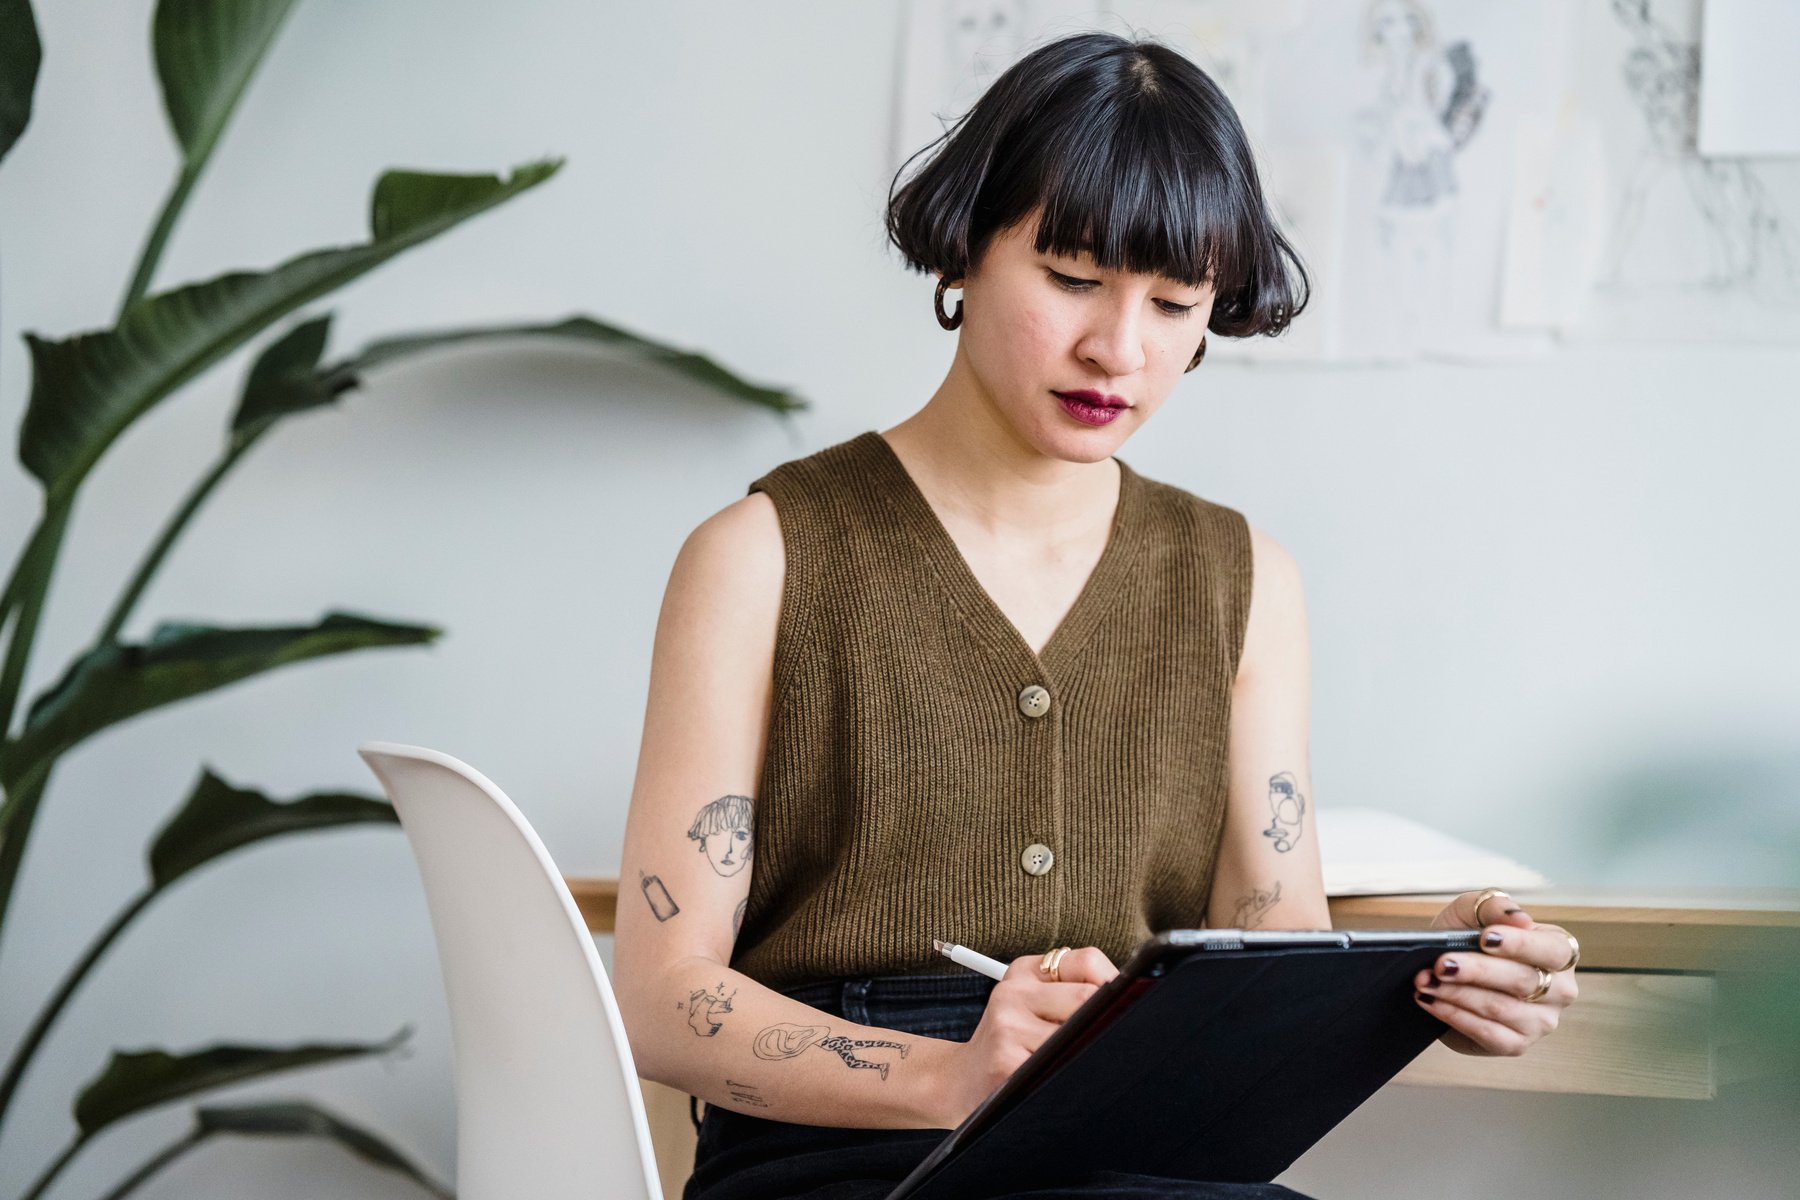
(1038, 324)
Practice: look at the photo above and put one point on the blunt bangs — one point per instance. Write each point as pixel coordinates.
(1129, 153)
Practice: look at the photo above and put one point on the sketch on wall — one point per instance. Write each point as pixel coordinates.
(1695, 247)
(1467, 181)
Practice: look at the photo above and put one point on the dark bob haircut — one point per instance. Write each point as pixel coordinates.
(1137, 158)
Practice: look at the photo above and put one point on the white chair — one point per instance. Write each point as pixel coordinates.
(547, 1097)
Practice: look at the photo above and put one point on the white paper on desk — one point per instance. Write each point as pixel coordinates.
(1368, 852)
(1749, 90)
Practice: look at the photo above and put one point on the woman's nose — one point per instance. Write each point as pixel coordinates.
(1114, 344)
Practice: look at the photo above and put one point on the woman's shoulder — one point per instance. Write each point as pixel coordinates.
(1177, 507)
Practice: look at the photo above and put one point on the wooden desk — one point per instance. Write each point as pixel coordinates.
(1657, 970)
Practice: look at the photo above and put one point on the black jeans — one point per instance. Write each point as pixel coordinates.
(741, 1157)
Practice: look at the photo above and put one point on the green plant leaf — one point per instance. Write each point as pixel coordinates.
(136, 1080)
(21, 53)
(117, 681)
(301, 1118)
(206, 52)
(284, 387)
(219, 818)
(87, 390)
(697, 367)
(286, 378)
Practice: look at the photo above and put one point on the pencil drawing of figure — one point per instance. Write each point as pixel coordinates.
(723, 830)
(981, 39)
(1745, 241)
(704, 1009)
(1289, 806)
(1428, 104)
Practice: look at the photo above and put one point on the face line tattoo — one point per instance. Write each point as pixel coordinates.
(1288, 807)
(723, 829)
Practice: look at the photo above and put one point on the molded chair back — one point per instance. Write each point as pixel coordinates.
(547, 1099)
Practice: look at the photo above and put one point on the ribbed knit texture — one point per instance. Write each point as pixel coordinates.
(902, 783)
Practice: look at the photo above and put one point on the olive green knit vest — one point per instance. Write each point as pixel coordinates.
(928, 776)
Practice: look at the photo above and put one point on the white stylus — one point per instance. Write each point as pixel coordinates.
(963, 956)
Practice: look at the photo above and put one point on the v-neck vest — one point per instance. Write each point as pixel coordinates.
(926, 775)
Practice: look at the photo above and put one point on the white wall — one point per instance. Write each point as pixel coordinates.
(1535, 591)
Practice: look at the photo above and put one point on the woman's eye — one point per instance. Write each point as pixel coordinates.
(1069, 283)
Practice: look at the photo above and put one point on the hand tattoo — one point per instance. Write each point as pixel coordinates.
(705, 1007)
(1289, 806)
(1253, 908)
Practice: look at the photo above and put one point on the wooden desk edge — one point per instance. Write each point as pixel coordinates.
(1663, 937)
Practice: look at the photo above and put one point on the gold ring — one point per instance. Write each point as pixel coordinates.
(1482, 899)
(1052, 963)
(1545, 978)
(1574, 953)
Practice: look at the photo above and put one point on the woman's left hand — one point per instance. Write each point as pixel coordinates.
(1481, 996)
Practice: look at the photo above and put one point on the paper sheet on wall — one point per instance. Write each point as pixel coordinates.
(1465, 180)
(1749, 89)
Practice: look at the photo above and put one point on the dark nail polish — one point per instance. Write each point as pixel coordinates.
(1427, 999)
(1431, 981)
(1491, 938)
(1448, 967)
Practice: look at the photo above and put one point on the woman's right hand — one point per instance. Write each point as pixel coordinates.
(1023, 1010)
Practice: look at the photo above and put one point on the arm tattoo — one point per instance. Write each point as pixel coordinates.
(723, 830)
(1253, 908)
(778, 1042)
(1288, 805)
(661, 903)
(746, 1093)
(704, 1008)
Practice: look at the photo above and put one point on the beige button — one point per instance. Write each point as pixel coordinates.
(1034, 701)
(1037, 859)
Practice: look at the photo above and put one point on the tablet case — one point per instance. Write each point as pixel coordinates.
(1202, 1064)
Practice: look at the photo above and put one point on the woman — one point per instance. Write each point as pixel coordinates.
(973, 678)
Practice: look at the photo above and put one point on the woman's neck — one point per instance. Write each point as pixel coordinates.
(979, 473)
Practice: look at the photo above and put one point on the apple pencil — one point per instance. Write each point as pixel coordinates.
(963, 956)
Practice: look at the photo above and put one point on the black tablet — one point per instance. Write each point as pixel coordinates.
(1216, 1054)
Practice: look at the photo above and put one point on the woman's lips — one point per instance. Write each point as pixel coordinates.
(1099, 399)
(1086, 411)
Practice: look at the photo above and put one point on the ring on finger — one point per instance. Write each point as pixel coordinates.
(1545, 978)
(1482, 899)
(1574, 953)
(1052, 963)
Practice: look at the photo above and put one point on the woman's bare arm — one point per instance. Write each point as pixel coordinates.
(1268, 874)
(694, 1023)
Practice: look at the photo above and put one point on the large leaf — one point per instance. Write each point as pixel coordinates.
(206, 52)
(117, 681)
(20, 56)
(137, 1080)
(87, 390)
(294, 1118)
(219, 818)
(290, 382)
